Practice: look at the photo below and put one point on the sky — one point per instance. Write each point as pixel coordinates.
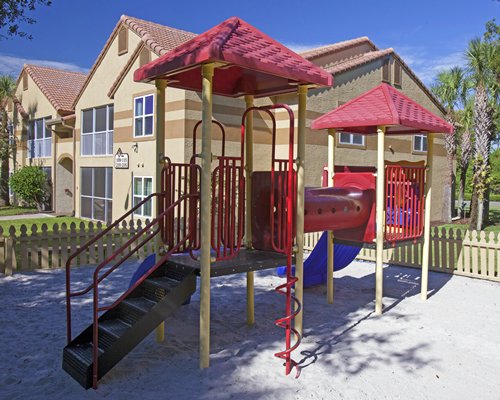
(430, 35)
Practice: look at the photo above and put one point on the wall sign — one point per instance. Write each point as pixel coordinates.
(121, 160)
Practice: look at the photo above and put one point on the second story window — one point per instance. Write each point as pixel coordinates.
(420, 143)
(39, 139)
(143, 115)
(97, 131)
(353, 139)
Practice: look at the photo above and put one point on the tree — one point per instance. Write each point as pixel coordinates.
(31, 185)
(466, 118)
(7, 89)
(449, 87)
(479, 57)
(13, 13)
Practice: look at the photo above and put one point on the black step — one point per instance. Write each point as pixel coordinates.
(157, 288)
(125, 326)
(132, 310)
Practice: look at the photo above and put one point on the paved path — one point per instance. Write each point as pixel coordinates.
(26, 216)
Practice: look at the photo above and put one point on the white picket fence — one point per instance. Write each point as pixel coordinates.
(467, 253)
(41, 249)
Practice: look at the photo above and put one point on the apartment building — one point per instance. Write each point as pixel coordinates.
(110, 124)
(43, 121)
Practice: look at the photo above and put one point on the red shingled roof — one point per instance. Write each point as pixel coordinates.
(59, 86)
(256, 64)
(311, 54)
(382, 106)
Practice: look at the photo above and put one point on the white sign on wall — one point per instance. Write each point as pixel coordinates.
(121, 160)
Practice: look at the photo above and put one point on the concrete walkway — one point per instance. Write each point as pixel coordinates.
(26, 216)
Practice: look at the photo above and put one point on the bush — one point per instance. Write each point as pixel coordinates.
(30, 184)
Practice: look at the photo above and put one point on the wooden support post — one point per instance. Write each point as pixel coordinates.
(161, 85)
(330, 261)
(301, 152)
(427, 218)
(380, 220)
(205, 209)
(248, 207)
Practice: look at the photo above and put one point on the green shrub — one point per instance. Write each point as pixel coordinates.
(30, 184)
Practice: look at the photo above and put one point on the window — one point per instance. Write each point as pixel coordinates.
(420, 143)
(122, 41)
(97, 131)
(25, 81)
(386, 71)
(39, 138)
(354, 139)
(397, 73)
(144, 57)
(143, 187)
(96, 191)
(143, 116)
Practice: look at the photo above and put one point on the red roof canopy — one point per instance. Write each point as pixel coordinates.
(382, 106)
(252, 63)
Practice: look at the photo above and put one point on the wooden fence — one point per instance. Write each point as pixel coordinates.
(43, 249)
(467, 253)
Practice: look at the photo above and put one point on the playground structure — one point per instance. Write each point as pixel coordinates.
(217, 216)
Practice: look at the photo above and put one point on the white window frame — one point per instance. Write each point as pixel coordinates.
(140, 211)
(107, 211)
(109, 133)
(421, 149)
(351, 139)
(143, 117)
(39, 148)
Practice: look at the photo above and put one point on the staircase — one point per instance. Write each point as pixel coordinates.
(126, 325)
(118, 327)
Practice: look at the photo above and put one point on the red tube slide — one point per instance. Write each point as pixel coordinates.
(334, 208)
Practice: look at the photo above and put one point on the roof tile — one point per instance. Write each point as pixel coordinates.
(59, 86)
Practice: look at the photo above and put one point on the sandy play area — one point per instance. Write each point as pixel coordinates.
(445, 348)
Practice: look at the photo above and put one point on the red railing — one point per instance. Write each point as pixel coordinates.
(177, 180)
(282, 221)
(405, 202)
(222, 130)
(228, 207)
(97, 278)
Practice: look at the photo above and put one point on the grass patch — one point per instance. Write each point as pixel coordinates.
(9, 211)
(39, 221)
(492, 226)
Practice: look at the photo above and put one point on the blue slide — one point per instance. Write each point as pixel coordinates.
(315, 264)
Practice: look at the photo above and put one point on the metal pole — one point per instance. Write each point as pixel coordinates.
(206, 200)
(380, 218)
(161, 85)
(330, 244)
(427, 218)
(248, 207)
(301, 152)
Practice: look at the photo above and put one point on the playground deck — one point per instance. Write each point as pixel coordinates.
(245, 261)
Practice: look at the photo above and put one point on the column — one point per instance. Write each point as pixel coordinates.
(330, 262)
(427, 218)
(380, 219)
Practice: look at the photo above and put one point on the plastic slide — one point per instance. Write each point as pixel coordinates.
(315, 264)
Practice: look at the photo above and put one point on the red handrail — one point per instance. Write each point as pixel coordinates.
(97, 279)
(85, 247)
(223, 131)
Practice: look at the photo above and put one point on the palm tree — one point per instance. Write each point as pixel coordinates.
(7, 89)
(466, 118)
(479, 58)
(449, 87)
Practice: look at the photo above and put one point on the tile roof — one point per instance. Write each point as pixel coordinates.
(335, 47)
(59, 86)
(256, 64)
(158, 38)
(20, 109)
(357, 61)
(382, 106)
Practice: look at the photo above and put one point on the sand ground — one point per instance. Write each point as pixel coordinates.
(445, 348)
